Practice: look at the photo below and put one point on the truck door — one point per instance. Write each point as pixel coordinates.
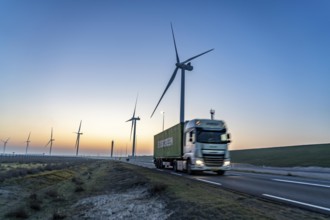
(190, 138)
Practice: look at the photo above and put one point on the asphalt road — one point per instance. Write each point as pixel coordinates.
(306, 193)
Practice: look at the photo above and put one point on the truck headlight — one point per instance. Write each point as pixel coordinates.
(226, 163)
(199, 163)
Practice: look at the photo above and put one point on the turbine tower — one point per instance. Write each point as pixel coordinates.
(133, 127)
(27, 143)
(185, 65)
(50, 142)
(5, 144)
(78, 139)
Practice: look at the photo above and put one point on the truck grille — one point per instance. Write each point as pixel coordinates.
(213, 160)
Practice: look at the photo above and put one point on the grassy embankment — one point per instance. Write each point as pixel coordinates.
(51, 194)
(303, 156)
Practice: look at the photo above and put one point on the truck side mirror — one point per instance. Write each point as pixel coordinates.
(225, 138)
(228, 138)
(190, 136)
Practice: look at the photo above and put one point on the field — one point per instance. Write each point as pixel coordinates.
(104, 189)
(302, 156)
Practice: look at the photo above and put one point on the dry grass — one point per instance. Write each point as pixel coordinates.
(52, 194)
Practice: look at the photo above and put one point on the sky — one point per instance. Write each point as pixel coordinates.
(62, 61)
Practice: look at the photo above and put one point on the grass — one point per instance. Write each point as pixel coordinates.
(303, 156)
(197, 200)
(52, 194)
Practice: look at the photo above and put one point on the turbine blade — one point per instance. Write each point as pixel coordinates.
(176, 50)
(131, 130)
(29, 136)
(168, 85)
(47, 143)
(190, 59)
(51, 134)
(135, 105)
(79, 126)
(129, 120)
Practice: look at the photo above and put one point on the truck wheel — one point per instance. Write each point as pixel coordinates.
(175, 166)
(157, 164)
(189, 171)
(221, 172)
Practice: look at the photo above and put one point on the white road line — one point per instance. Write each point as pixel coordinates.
(297, 202)
(219, 184)
(302, 183)
(174, 173)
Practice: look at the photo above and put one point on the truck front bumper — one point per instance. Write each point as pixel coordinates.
(200, 166)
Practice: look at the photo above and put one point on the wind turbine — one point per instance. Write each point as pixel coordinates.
(27, 143)
(185, 65)
(78, 139)
(5, 144)
(133, 119)
(50, 142)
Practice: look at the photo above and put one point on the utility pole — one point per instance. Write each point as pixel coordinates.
(163, 113)
(112, 144)
(212, 111)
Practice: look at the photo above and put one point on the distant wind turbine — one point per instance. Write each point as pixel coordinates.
(50, 142)
(27, 143)
(185, 65)
(133, 127)
(5, 144)
(78, 139)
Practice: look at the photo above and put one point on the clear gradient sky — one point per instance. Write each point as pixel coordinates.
(62, 61)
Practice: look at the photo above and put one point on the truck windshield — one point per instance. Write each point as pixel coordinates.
(214, 137)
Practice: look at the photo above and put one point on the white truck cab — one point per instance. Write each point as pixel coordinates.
(205, 146)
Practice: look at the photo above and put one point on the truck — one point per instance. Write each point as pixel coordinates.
(194, 146)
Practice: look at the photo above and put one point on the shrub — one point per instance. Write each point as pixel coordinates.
(35, 205)
(58, 216)
(17, 213)
(33, 196)
(49, 167)
(52, 193)
(79, 189)
(32, 171)
(157, 188)
(77, 181)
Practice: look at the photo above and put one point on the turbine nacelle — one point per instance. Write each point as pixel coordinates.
(184, 66)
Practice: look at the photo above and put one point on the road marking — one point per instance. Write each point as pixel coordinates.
(302, 183)
(178, 174)
(219, 184)
(297, 202)
(160, 170)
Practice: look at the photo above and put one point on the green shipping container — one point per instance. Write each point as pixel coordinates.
(168, 144)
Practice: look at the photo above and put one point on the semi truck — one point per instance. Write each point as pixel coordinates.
(194, 146)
